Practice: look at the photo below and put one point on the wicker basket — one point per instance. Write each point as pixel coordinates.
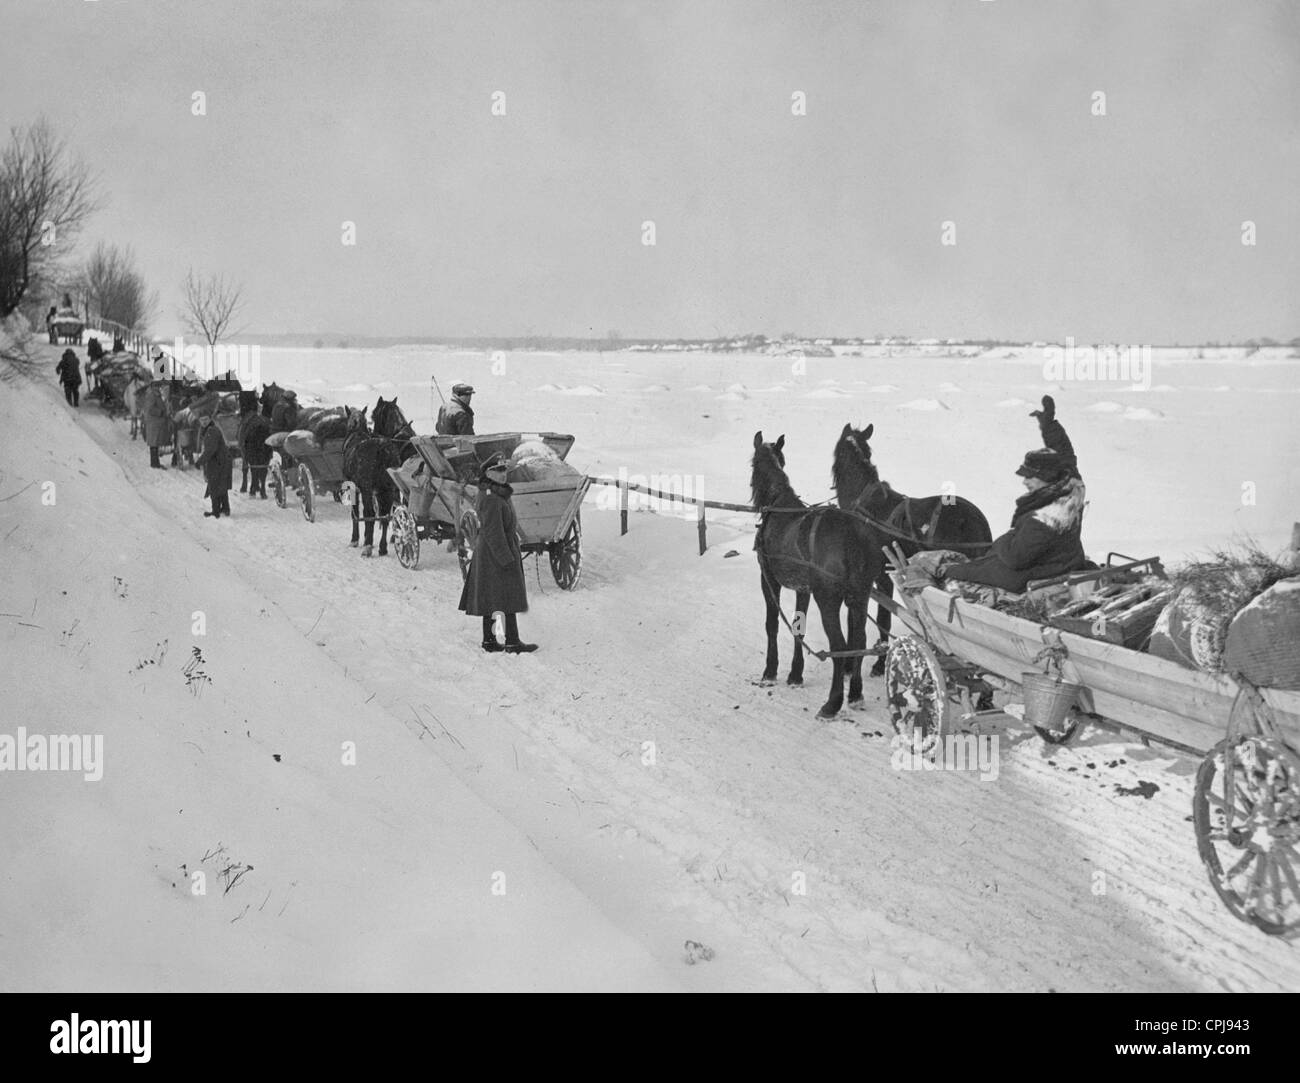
(1047, 701)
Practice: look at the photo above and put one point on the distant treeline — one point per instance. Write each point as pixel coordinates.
(747, 343)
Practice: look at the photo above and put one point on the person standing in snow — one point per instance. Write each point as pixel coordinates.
(215, 461)
(157, 423)
(456, 418)
(495, 583)
(69, 370)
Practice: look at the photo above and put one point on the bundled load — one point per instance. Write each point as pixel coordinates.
(1193, 628)
(300, 442)
(534, 460)
(1263, 643)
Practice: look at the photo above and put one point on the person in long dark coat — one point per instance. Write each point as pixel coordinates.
(253, 431)
(69, 370)
(216, 462)
(157, 423)
(1045, 536)
(495, 583)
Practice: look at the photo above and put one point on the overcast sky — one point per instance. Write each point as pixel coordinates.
(1125, 227)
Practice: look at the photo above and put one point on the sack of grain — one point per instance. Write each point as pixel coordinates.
(1264, 638)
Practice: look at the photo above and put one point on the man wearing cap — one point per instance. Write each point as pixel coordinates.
(495, 583)
(284, 417)
(1045, 535)
(456, 418)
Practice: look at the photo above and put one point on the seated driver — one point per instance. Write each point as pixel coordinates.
(1045, 536)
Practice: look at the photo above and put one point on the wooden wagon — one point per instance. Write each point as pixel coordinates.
(1246, 806)
(309, 471)
(440, 498)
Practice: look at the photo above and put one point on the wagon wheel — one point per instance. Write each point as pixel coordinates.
(307, 492)
(917, 693)
(277, 484)
(566, 556)
(1246, 809)
(466, 539)
(404, 536)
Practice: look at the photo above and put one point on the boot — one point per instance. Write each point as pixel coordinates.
(513, 644)
(490, 643)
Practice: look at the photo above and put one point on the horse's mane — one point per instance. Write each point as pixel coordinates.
(769, 486)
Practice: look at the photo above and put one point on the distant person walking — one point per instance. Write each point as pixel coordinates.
(49, 324)
(456, 418)
(495, 583)
(69, 370)
(215, 459)
(157, 423)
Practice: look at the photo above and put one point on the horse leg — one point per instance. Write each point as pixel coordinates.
(883, 620)
(829, 606)
(801, 625)
(368, 508)
(385, 508)
(356, 522)
(771, 594)
(857, 642)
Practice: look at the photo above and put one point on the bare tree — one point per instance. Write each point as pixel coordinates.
(211, 304)
(45, 196)
(115, 290)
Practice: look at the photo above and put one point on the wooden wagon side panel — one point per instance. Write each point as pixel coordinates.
(1158, 697)
(541, 509)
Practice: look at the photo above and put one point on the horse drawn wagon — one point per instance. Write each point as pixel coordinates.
(440, 495)
(1246, 806)
(308, 468)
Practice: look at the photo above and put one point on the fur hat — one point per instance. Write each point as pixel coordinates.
(462, 389)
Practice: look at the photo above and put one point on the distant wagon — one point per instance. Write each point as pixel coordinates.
(66, 327)
(440, 498)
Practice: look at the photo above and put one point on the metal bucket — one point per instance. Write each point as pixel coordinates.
(1047, 701)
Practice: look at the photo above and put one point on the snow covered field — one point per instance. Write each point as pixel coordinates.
(571, 818)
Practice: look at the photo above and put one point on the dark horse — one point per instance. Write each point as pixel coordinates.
(366, 458)
(819, 551)
(917, 522)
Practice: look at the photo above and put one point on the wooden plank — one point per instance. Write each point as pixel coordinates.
(1138, 690)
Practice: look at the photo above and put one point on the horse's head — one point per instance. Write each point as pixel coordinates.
(851, 466)
(767, 478)
(357, 423)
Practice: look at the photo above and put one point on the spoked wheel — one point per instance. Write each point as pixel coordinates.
(917, 693)
(404, 536)
(466, 539)
(307, 493)
(566, 556)
(1246, 810)
(278, 485)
